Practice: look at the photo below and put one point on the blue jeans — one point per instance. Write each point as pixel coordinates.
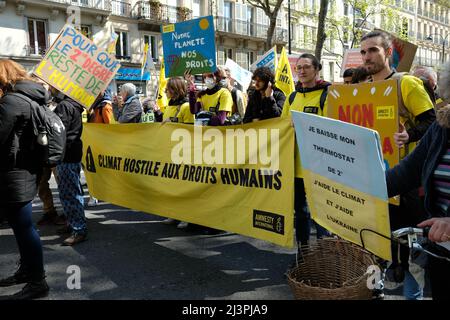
(71, 195)
(303, 217)
(27, 238)
(411, 289)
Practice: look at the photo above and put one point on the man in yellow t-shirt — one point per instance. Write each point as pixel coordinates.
(416, 115)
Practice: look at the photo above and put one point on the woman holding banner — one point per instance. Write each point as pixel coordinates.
(176, 111)
(215, 100)
(428, 166)
(178, 108)
(310, 96)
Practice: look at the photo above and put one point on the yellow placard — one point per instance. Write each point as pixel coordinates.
(372, 105)
(222, 177)
(353, 215)
(168, 28)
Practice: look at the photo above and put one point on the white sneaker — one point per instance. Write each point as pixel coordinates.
(169, 221)
(92, 202)
(182, 225)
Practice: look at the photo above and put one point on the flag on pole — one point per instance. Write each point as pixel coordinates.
(161, 100)
(283, 75)
(106, 39)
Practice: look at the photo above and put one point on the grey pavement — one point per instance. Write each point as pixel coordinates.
(132, 255)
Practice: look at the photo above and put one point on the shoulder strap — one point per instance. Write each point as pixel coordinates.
(178, 111)
(292, 97)
(218, 101)
(21, 96)
(323, 97)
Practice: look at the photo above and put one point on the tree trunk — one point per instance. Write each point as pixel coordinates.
(270, 34)
(321, 36)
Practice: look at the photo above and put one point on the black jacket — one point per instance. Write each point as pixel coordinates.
(70, 113)
(417, 168)
(264, 108)
(17, 169)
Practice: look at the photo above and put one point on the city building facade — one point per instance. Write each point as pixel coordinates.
(28, 28)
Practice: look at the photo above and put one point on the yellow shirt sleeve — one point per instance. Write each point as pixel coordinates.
(225, 100)
(185, 115)
(414, 95)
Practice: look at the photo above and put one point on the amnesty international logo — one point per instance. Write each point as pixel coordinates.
(268, 221)
(90, 164)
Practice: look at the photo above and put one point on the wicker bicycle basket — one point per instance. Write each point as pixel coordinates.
(332, 269)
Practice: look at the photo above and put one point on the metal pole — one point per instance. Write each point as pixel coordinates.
(289, 25)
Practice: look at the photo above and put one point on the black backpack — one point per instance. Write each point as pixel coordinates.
(50, 133)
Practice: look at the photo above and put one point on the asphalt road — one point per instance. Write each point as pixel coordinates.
(132, 255)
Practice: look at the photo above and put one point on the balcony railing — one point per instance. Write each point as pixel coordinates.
(93, 4)
(245, 28)
(121, 8)
(158, 12)
(33, 51)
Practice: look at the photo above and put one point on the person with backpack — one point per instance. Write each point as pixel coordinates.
(18, 173)
(50, 215)
(267, 100)
(311, 97)
(69, 185)
(416, 115)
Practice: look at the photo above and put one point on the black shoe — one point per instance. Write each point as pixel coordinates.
(33, 290)
(20, 276)
(47, 218)
(64, 230)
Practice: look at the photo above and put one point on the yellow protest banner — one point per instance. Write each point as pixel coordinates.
(161, 100)
(372, 105)
(77, 67)
(236, 178)
(345, 181)
(283, 76)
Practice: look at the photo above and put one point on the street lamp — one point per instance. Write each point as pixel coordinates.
(430, 38)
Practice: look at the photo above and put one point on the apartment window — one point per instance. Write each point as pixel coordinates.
(86, 31)
(227, 14)
(252, 57)
(243, 59)
(80, 2)
(223, 54)
(122, 45)
(37, 36)
(196, 9)
(242, 25)
(152, 41)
